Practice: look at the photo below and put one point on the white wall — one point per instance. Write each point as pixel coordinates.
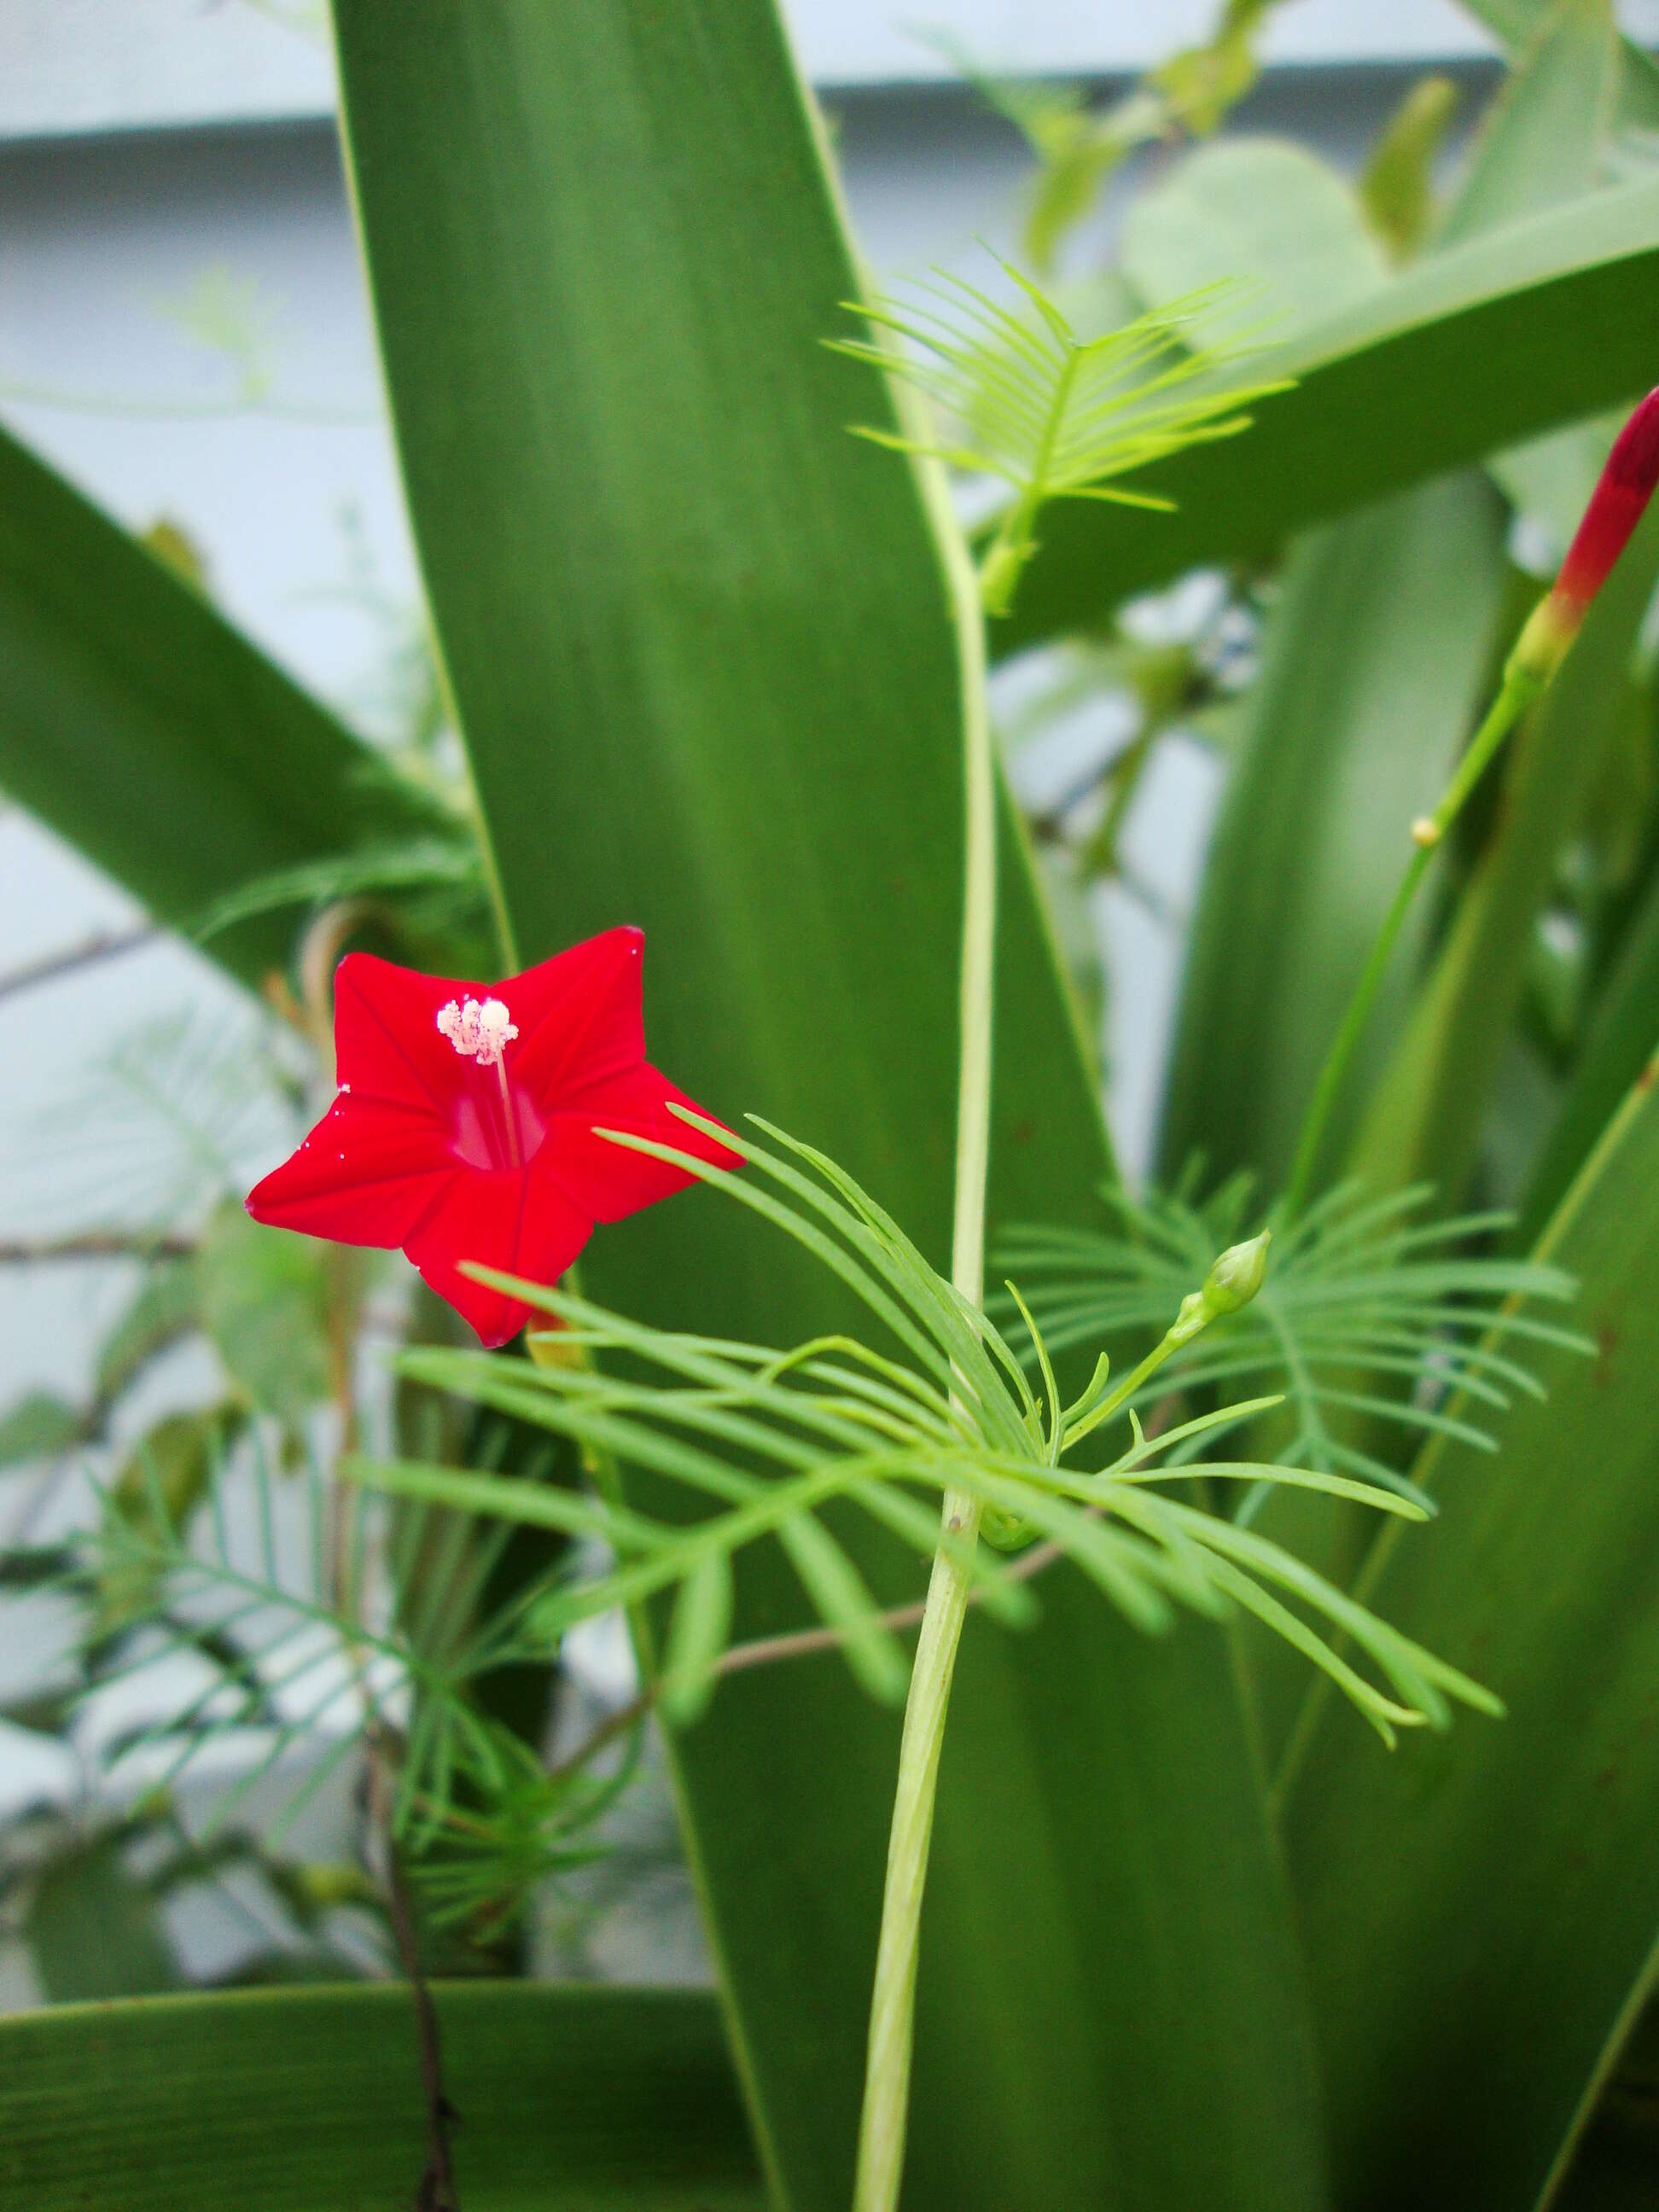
(95, 66)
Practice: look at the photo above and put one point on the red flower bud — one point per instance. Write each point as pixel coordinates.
(1617, 505)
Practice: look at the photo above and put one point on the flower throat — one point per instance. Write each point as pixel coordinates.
(481, 1029)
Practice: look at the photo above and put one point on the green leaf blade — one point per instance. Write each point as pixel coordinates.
(1479, 1914)
(567, 2097)
(704, 656)
(138, 724)
(1372, 658)
(1539, 323)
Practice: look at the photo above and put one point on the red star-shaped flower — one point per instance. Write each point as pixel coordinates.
(464, 1125)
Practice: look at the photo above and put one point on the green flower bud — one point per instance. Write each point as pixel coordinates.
(1237, 1275)
(1006, 1532)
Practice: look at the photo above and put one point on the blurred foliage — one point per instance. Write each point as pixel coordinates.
(1081, 147)
(1396, 187)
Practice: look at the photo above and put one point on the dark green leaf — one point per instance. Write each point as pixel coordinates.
(1615, 2166)
(1424, 1118)
(1541, 323)
(1372, 660)
(140, 726)
(1480, 1909)
(701, 643)
(1612, 1057)
(309, 2100)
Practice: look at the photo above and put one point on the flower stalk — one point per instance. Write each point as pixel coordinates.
(892, 2005)
(1520, 688)
(1616, 505)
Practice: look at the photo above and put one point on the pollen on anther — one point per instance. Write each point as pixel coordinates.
(479, 1029)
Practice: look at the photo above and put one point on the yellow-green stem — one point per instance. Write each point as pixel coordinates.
(892, 2010)
(1521, 686)
(892, 2005)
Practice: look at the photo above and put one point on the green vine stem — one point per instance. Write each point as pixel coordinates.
(892, 2005)
(1521, 686)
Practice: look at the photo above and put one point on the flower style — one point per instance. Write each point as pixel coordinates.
(465, 1127)
(1616, 505)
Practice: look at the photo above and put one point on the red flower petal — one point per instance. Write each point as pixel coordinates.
(522, 1224)
(418, 1150)
(606, 1178)
(581, 1016)
(387, 1044)
(365, 1175)
(1616, 505)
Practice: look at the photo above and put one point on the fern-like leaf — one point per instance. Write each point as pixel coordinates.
(452, 865)
(759, 1441)
(1019, 397)
(1373, 1320)
(251, 1637)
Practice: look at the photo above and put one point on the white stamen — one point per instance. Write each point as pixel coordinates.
(480, 1030)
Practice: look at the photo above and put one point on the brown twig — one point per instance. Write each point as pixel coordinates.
(104, 946)
(94, 1245)
(437, 2190)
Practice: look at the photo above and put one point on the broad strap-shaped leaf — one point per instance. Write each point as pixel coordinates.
(140, 726)
(1551, 134)
(1537, 324)
(1516, 21)
(1425, 1117)
(1372, 657)
(1430, 1087)
(309, 2099)
(1561, 127)
(703, 650)
(1480, 1911)
(1615, 2162)
(1612, 1057)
